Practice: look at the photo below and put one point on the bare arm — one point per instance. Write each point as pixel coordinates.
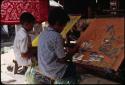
(32, 51)
(26, 54)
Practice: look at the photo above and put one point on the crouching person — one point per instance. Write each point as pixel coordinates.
(22, 44)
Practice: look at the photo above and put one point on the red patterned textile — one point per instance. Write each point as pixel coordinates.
(12, 9)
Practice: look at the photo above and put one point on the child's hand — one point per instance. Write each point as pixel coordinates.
(86, 45)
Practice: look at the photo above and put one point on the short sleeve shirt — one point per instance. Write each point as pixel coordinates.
(50, 48)
(21, 44)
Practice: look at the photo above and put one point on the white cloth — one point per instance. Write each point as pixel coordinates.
(21, 43)
(5, 27)
(17, 27)
(50, 48)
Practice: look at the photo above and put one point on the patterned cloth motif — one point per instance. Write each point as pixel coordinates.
(12, 9)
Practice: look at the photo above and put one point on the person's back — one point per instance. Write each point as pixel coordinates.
(50, 50)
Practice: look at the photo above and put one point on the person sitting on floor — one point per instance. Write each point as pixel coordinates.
(52, 59)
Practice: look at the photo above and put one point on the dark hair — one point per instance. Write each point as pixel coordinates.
(27, 17)
(58, 15)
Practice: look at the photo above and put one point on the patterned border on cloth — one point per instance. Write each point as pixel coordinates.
(12, 9)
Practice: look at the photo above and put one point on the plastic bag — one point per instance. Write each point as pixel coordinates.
(31, 72)
(30, 75)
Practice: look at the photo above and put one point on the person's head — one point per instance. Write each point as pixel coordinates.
(27, 20)
(58, 18)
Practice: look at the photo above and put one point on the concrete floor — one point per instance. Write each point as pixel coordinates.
(11, 78)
